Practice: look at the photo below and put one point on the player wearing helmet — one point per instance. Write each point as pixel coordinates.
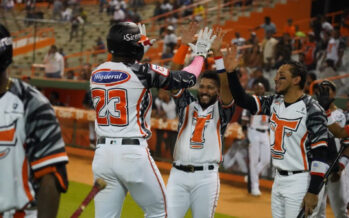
(32, 154)
(122, 100)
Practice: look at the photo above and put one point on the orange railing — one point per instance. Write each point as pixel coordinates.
(311, 87)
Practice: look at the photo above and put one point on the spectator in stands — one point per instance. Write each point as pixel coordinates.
(299, 33)
(70, 74)
(309, 50)
(99, 44)
(54, 99)
(253, 39)
(187, 11)
(268, 26)
(57, 10)
(83, 14)
(67, 14)
(268, 48)
(311, 77)
(54, 63)
(60, 51)
(86, 71)
(167, 54)
(238, 40)
(111, 6)
(157, 9)
(119, 15)
(170, 39)
(283, 50)
(76, 21)
(123, 5)
(199, 12)
(136, 3)
(290, 28)
(329, 70)
(335, 48)
(166, 6)
(325, 26)
(165, 109)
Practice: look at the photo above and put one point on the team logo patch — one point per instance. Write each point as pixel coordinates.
(109, 77)
(160, 70)
(4, 153)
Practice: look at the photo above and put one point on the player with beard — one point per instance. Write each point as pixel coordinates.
(298, 137)
(194, 180)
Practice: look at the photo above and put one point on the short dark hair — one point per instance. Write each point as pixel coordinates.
(210, 74)
(298, 69)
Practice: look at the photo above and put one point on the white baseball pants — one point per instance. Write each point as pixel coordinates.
(128, 168)
(259, 154)
(198, 190)
(337, 196)
(288, 193)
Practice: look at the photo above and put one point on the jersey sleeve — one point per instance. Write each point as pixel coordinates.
(161, 77)
(44, 143)
(317, 125)
(245, 115)
(263, 104)
(182, 98)
(226, 114)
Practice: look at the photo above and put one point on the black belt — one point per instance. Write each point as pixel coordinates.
(261, 130)
(191, 168)
(124, 141)
(289, 173)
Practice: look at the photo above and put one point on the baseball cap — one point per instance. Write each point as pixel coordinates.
(170, 27)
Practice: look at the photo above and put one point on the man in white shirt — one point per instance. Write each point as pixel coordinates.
(170, 38)
(54, 63)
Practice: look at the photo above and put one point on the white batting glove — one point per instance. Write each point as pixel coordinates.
(145, 41)
(204, 42)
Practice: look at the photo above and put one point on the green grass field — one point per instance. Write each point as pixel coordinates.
(78, 191)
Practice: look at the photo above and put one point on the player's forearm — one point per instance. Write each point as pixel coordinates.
(224, 94)
(179, 57)
(338, 131)
(319, 168)
(48, 197)
(241, 98)
(196, 66)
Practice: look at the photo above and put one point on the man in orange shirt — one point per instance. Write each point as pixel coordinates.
(290, 28)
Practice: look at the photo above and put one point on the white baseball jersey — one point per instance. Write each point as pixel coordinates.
(256, 121)
(122, 99)
(295, 130)
(332, 49)
(30, 145)
(200, 131)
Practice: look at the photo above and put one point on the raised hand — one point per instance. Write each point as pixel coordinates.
(204, 42)
(145, 41)
(217, 44)
(188, 35)
(231, 60)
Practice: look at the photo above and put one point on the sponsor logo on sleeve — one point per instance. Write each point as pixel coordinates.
(109, 77)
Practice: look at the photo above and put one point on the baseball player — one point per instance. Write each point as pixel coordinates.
(259, 148)
(194, 180)
(122, 100)
(32, 154)
(297, 129)
(335, 186)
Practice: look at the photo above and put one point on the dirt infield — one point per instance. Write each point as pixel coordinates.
(233, 201)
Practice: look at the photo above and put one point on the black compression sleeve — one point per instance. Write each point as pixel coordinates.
(241, 98)
(319, 154)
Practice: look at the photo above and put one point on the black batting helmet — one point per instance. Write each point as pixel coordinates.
(123, 41)
(5, 48)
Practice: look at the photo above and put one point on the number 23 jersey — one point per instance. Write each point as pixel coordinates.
(122, 99)
(294, 129)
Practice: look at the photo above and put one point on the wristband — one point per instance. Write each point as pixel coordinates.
(343, 161)
(219, 62)
(179, 57)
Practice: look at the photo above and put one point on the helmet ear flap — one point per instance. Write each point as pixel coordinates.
(5, 48)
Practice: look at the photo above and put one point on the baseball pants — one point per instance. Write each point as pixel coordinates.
(198, 190)
(259, 155)
(336, 194)
(128, 168)
(288, 193)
